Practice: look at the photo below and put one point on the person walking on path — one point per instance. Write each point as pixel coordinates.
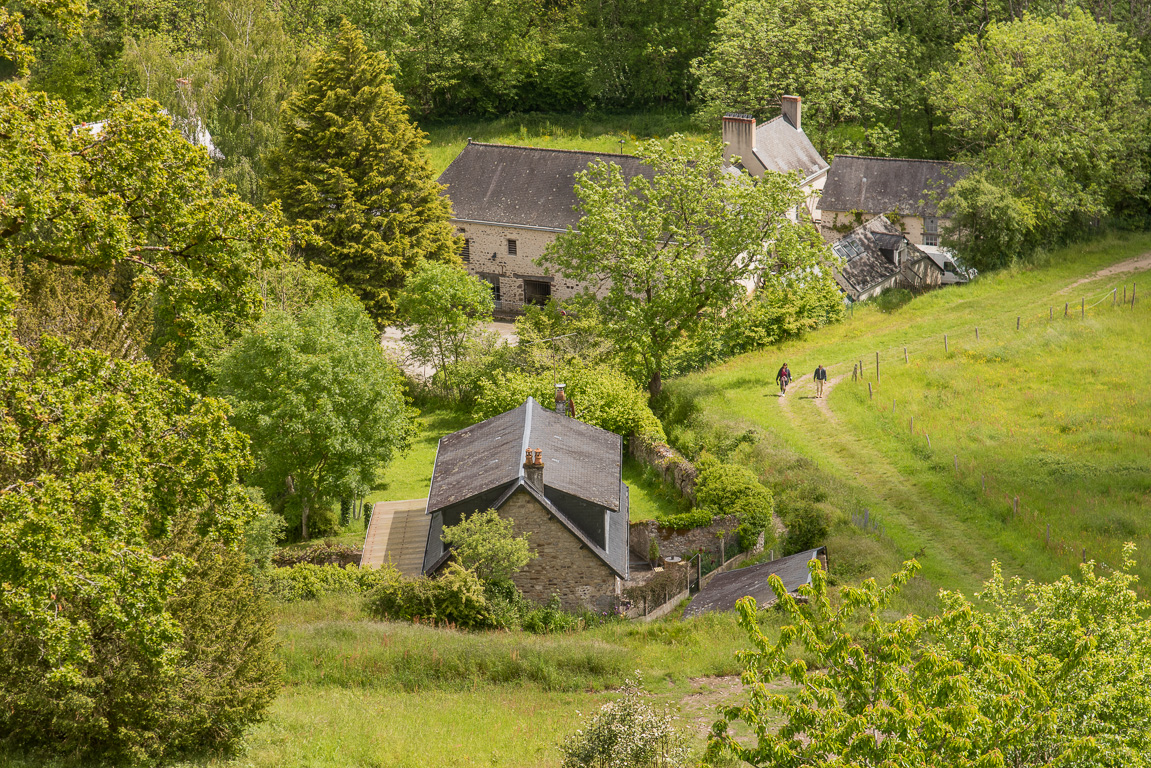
(820, 377)
(784, 378)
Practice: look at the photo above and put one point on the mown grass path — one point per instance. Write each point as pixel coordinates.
(1047, 406)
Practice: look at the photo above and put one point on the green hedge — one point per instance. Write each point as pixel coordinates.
(729, 489)
(305, 581)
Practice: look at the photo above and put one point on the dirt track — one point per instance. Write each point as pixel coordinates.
(1137, 264)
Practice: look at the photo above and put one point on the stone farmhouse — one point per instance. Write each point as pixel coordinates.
(509, 203)
(877, 256)
(559, 481)
(858, 189)
(778, 145)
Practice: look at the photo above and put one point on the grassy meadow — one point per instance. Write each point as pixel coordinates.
(590, 131)
(1057, 413)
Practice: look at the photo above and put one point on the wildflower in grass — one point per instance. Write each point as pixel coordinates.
(627, 733)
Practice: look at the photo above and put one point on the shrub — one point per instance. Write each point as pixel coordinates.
(728, 489)
(695, 518)
(628, 733)
(550, 619)
(484, 544)
(456, 597)
(807, 528)
(305, 581)
(603, 397)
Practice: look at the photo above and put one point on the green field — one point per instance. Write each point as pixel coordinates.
(595, 132)
(1057, 413)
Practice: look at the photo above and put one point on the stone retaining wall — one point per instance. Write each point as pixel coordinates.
(677, 543)
(669, 462)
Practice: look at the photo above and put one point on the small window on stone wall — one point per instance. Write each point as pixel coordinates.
(511, 247)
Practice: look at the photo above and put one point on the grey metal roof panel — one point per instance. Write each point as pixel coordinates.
(782, 148)
(886, 184)
(529, 186)
(725, 589)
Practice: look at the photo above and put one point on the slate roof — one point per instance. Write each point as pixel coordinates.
(783, 148)
(886, 184)
(863, 263)
(580, 461)
(527, 186)
(725, 589)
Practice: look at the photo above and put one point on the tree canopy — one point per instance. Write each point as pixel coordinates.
(1028, 675)
(1052, 111)
(693, 238)
(323, 406)
(441, 309)
(122, 515)
(352, 167)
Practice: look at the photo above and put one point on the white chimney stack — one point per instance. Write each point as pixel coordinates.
(792, 110)
(739, 136)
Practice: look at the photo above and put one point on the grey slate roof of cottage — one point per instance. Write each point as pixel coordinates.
(527, 186)
(886, 184)
(581, 462)
(782, 148)
(724, 589)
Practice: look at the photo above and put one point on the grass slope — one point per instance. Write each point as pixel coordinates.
(594, 132)
(1057, 413)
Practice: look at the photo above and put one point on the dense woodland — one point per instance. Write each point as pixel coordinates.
(189, 339)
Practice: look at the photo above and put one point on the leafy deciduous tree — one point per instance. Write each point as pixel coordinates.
(352, 167)
(664, 251)
(441, 309)
(129, 628)
(486, 544)
(323, 406)
(1051, 110)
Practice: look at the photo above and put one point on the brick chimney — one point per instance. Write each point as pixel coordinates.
(793, 110)
(534, 469)
(739, 136)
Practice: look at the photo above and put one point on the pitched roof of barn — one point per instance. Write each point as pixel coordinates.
(887, 184)
(527, 186)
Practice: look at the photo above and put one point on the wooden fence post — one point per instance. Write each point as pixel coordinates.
(893, 406)
(911, 425)
(1017, 319)
(905, 354)
(977, 333)
(1051, 312)
(928, 436)
(945, 343)
(1065, 309)
(870, 396)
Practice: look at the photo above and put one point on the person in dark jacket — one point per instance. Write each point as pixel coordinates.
(784, 378)
(820, 378)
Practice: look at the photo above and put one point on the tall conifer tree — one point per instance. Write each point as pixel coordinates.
(353, 167)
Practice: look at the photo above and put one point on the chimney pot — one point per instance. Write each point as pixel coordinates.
(534, 470)
(527, 457)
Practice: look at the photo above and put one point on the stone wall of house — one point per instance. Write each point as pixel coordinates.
(845, 221)
(676, 543)
(669, 462)
(564, 566)
(489, 258)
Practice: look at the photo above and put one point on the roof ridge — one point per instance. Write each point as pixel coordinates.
(900, 159)
(551, 149)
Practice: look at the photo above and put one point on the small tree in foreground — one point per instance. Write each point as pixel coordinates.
(441, 310)
(486, 544)
(1034, 680)
(627, 733)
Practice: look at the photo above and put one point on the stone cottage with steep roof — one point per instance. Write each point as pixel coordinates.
(509, 203)
(567, 496)
(860, 188)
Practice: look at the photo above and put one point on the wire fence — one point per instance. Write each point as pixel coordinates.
(1069, 549)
